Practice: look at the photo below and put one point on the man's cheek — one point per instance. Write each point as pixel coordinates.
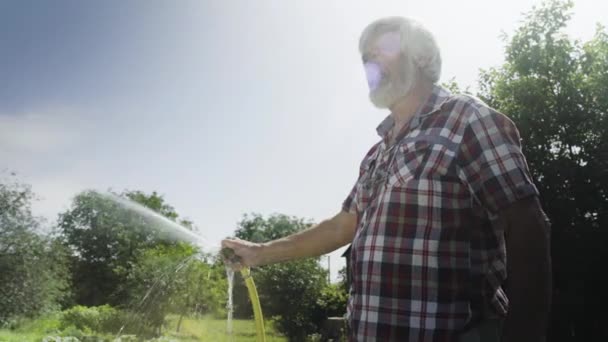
(373, 72)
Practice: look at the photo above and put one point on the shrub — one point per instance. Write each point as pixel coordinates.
(332, 301)
(95, 319)
(72, 332)
(86, 319)
(289, 292)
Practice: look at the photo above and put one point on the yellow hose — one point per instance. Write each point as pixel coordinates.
(255, 303)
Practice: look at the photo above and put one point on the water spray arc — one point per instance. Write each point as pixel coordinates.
(174, 231)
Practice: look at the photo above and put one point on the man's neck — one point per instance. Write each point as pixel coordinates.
(404, 109)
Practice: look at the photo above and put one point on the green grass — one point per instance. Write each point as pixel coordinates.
(31, 330)
(12, 336)
(192, 329)
(215, 330)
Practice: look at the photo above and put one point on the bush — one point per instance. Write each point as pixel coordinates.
(87, 319)
(72, 332)
(101, 319)
(333, 300)
(289, 293)
(104, 319)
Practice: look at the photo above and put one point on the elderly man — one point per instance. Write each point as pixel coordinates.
(441, 201)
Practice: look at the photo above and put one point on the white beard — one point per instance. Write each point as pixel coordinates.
(393, 88)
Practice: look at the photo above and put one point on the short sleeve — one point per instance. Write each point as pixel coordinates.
(350, 205)
(491, 160)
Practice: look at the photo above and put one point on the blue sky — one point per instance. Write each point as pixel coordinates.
(224, 107)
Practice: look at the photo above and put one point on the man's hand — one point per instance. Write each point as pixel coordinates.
(527, 233)
(247, 252)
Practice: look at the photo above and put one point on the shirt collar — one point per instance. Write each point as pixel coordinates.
(438, 97)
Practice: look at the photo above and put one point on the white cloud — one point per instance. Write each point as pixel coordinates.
(39, 146)
(38, 131)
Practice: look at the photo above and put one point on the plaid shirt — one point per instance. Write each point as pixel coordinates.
(428, 258)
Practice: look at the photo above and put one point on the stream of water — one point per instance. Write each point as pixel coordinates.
(229, 306)
(176, 232)
(172, 229)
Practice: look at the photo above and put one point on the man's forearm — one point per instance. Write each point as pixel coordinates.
(528, 273)
(317, 240)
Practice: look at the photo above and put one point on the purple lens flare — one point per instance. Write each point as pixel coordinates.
(374, 75)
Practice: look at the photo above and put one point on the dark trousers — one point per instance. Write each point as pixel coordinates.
(488, 330)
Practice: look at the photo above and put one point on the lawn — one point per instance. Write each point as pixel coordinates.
(215, 330)
(204, 329)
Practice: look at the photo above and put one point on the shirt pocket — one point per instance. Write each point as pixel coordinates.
(365, 186)
(409, 162)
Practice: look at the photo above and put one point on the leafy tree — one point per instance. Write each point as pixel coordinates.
(333, 300)
(289, 291)
(202, 288)
(454, 87)
(33, 268)
(555, 89)
(175, 279)
(105, 237)
(256, 228)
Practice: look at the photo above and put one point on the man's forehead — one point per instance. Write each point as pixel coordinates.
(388, 43)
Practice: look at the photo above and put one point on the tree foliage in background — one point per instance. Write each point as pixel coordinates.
(105, 238)
(175, 279)
(33, 269)
(335, 296)
(556, 90)
(295, 293)
(290, 292)
(256, 228)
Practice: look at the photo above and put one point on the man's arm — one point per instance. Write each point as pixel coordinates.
(529, 280)
(322, 238)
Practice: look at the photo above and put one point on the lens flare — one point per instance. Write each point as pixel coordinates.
(374, 75)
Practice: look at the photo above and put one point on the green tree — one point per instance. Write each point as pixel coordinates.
(256, 228)
(333, 300)
(105, 236)
(33, 269)
(175, 279)
(289, 291)
(554, 88)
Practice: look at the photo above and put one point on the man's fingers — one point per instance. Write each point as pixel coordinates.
(244, 254)
(237, 266)
(231, 243)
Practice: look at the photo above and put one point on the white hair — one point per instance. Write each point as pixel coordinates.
(417, 43)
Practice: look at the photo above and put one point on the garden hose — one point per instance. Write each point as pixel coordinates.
(255, 303)
(231, 258)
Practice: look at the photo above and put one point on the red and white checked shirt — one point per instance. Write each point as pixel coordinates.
(428, 258)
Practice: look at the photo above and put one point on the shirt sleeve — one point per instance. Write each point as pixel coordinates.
(491, 160)
(350, 205)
